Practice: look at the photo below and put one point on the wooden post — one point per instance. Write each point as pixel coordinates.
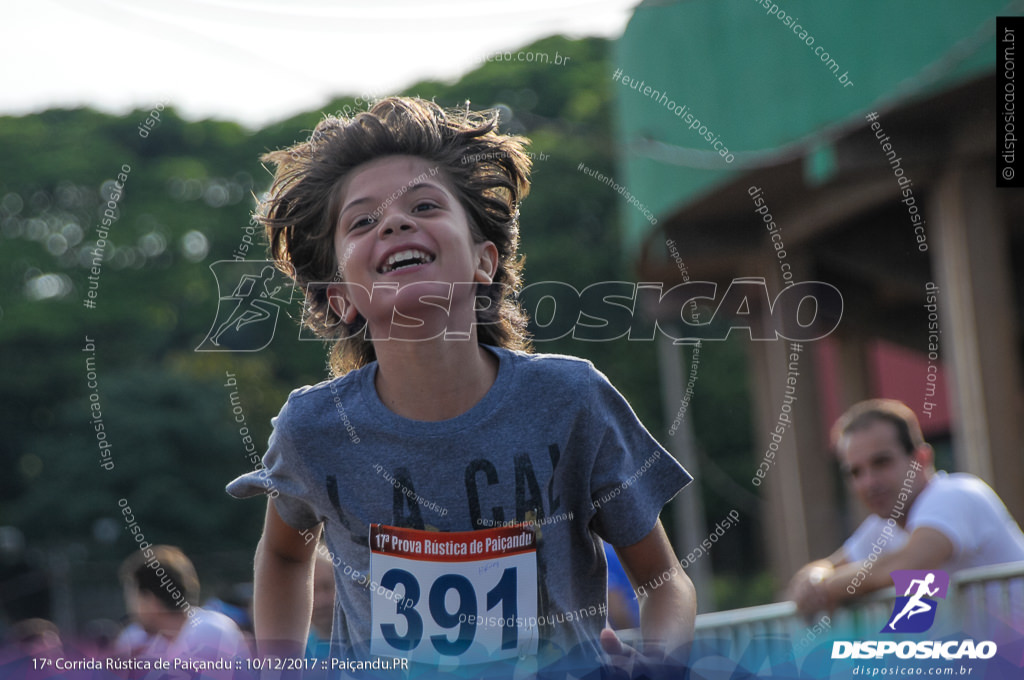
(979, 340)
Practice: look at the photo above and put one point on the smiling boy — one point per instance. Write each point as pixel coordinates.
(442, 461)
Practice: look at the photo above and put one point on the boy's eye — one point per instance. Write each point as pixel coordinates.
(424, 205)
(361, 222)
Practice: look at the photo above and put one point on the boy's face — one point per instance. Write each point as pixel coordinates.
(401, 223)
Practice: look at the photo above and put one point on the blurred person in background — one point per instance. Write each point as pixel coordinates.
(98, 637)
(161, 591)
(623, 606)
(236, 604)
(921, 519)
(319, 643)
(27, 641)
(37, 638)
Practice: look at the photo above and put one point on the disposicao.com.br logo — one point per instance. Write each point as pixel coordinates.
(914, 612)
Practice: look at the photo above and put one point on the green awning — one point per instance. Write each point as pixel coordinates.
(770, 84)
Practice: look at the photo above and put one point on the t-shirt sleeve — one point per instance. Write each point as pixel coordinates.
(633, 476)
(853, 546)
(858, 546)
(282, 477)
(956, 511)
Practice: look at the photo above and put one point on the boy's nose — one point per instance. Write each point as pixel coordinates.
(396, 223)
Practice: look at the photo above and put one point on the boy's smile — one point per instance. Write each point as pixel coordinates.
(401, 223)
(404, 260)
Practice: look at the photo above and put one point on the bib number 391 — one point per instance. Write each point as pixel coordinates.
(468, 597)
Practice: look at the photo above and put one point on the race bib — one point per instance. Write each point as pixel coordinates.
(463, 597)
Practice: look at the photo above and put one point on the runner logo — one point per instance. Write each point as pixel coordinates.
(251, 294)
(914, 612)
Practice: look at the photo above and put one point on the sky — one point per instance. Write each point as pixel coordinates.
(258, 61)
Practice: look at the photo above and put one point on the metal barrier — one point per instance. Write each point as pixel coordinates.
(991, 599)
(982, 602)
(985, 602)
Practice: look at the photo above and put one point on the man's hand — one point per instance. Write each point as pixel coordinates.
(808, 589)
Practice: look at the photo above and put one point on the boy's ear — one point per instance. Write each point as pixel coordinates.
(487, 262)
(340, 304)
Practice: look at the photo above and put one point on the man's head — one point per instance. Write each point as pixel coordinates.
(309, 212)
(158, 586)
(878, 442)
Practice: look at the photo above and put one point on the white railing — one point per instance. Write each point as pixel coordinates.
(990, 597)
(981, 602)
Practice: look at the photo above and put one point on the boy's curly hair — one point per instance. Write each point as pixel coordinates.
(488, 172)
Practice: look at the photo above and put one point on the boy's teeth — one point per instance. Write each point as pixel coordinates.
(406, 255)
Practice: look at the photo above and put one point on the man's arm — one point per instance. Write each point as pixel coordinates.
(668, 610)
(927, 548)
(283, 587)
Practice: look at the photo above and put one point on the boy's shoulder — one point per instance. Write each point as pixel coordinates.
(549, 367)
(560, 378)
(546, 360)
(326, 392)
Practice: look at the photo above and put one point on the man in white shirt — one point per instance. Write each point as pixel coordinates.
(921, 519)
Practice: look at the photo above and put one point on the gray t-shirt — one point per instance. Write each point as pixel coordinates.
(551, 441)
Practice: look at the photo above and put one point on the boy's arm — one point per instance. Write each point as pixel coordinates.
(283, 587)
(668, 610)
